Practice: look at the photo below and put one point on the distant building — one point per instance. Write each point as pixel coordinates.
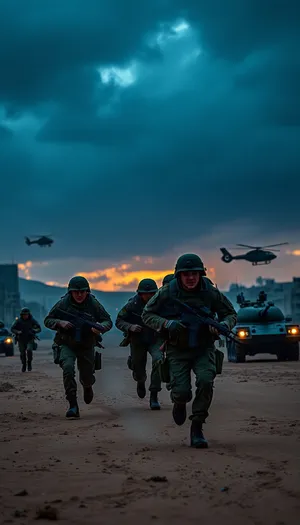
(9, 293)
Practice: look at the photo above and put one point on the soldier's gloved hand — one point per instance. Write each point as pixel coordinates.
(215, 331)
(174, 327)
(64, 324)
(135, 328)
(98, 332)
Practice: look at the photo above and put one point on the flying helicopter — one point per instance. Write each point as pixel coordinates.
(258, 255)
(42, 240)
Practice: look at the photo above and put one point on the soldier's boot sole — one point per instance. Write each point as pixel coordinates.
(88, 395)
(179, 413)
(141, 389)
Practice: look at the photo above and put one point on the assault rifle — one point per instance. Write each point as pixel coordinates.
(81, 321)
(203, 317)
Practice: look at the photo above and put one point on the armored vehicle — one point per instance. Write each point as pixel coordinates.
(6, 342)
(262, 328)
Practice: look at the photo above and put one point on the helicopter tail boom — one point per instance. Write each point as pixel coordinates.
(28, 241)
(227, 257)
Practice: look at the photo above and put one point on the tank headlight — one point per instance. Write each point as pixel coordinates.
(8, 341)
(243, 333)
(293, 330)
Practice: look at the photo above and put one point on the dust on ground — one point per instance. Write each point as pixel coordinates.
(121, 463)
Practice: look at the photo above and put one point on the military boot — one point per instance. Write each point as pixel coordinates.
(179, 413)
(73, 411)
(23, 366)
(141, 389)
(154, 403)
(197, 438)
(88, 394)
(29, 367)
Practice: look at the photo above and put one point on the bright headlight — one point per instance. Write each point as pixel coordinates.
(243, 333)
(8, 340)
(293, 330)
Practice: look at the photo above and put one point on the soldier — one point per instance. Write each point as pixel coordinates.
(167, 279)
(25, 329)
(78, 298)
(161, 314)
(141, 340)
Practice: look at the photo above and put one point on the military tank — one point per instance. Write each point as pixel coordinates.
(262, 328)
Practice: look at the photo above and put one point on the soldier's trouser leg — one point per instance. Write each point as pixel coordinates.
(29, 354)
(86, 367)
(67, 363)
(139, 361)
(180, 375)
(180, 384)
(204, 368)
(156, 355)
(22, 349)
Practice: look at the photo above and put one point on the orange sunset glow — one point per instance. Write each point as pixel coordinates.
(114, 278)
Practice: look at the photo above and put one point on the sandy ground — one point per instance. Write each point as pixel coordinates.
(123, 464)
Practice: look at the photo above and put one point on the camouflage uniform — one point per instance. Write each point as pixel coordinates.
(164, 316)
(25, 330)
(82, 351)
(141, 342)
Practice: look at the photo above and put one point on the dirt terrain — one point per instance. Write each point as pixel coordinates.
(122, 464)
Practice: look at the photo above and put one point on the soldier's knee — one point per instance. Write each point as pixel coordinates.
(181, 396)
(205, 380)
(68, 367)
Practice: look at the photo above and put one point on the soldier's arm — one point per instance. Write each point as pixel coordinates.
(121, 321)
(36, 326)
(14, 328)
(224, 308)
(52, 319)
(150, 315)
(103, 318)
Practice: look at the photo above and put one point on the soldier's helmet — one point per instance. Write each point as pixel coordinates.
(78, 283)
(189, 262)
(25, 311)
(168, 278)
(147, 286)
(1, 324)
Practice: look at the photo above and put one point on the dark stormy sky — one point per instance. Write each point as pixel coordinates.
(135, 130)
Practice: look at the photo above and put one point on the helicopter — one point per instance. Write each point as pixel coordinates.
(43, 241)
(258, 255)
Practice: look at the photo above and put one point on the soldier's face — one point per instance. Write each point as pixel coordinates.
(79, 296)
(190, 280)
(146, 297)
(25, 316)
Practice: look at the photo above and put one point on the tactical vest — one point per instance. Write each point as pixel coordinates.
(147, 336)
(26, 328)
(203, 297)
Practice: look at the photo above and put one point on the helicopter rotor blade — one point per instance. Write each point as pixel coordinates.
(273, 245)
(248, 246)
(41, 235)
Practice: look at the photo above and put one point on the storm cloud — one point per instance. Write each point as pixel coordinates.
(202, 134)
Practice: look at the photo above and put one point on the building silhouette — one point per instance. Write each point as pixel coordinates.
(9, 293)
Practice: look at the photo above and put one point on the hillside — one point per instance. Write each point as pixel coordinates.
(35, 291)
